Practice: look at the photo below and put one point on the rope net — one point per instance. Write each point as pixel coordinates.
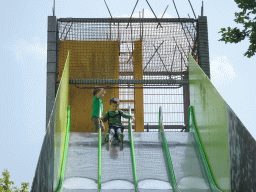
(106, 46)
(131, 49)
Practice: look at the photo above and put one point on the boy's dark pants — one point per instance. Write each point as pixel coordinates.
(115, 128)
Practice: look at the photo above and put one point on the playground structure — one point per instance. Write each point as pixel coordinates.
(191, 143)
(129, 54)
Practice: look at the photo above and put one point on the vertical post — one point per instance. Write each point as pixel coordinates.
(52, 70)
(203, 46)
(186, 101)
(138, 93)
(110, 30)
(99, 154)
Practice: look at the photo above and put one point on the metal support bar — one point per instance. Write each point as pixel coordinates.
(182, 25)
(152, 56)
(128, 81)
(53, 8)
(148, 127)
(126, 20)
(160, 73)
(202, 9)
(154, 13)
(186, 100)
(132, 13)
(162, 62)
(192, 8)
(108, 9)
(163, 15)
(68, 31)
(179, 49)
(63, 31)
(173, 57)
(150, 87)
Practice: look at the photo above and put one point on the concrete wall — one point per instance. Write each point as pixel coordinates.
(43, 178)
(52, 51)
(242, 152)
(203, 45)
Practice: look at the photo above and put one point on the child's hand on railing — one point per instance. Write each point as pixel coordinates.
(133, 118)
(107, 86)
(100, 118)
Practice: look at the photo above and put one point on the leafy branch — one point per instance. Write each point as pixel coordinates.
(247, 17)
(6, 184)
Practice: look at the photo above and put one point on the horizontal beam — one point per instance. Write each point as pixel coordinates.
(128, 81)
(163, 73)
(165, 127)
(126, 20)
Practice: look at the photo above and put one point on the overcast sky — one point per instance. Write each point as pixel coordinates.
(23, 67)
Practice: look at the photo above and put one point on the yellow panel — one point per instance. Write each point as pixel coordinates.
(138, 93)
(81, 107)
(89, 60)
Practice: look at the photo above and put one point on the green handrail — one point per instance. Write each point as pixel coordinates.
(99, 155)
(63, 165)
(192, 127)
(167, 153)
(135, 180)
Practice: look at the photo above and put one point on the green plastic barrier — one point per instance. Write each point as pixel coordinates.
(211, 121)
(60, 128)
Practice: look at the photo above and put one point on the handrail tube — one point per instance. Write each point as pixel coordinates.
(207, 170)
(99, 154)
(63, 165)
(167, 153)
(135, 180)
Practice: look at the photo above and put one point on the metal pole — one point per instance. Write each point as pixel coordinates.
(53, 9)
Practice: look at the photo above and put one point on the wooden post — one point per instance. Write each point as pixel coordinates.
(138, 93)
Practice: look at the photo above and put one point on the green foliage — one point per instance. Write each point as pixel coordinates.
(6, 184)
(247, 17)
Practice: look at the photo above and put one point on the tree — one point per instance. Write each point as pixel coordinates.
(6, 184)
(247, 17)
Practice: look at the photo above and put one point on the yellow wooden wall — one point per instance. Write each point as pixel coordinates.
(89, 60)
(138, 93)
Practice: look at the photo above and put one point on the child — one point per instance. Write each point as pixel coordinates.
(114, 120)
(98, 93)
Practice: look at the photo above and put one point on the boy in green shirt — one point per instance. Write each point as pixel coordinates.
(114, 120)
(98, 93)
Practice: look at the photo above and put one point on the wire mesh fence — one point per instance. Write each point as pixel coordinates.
(164, 49)
(105, 48)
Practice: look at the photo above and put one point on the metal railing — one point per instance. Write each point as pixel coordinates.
(132, 153)
(193, 128)
(167, 152)
(99, 154)
(63, 165)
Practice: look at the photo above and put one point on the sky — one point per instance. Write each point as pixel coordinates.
(23, 54)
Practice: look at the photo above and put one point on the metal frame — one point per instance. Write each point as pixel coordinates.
(126, 20)
(162, 76)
